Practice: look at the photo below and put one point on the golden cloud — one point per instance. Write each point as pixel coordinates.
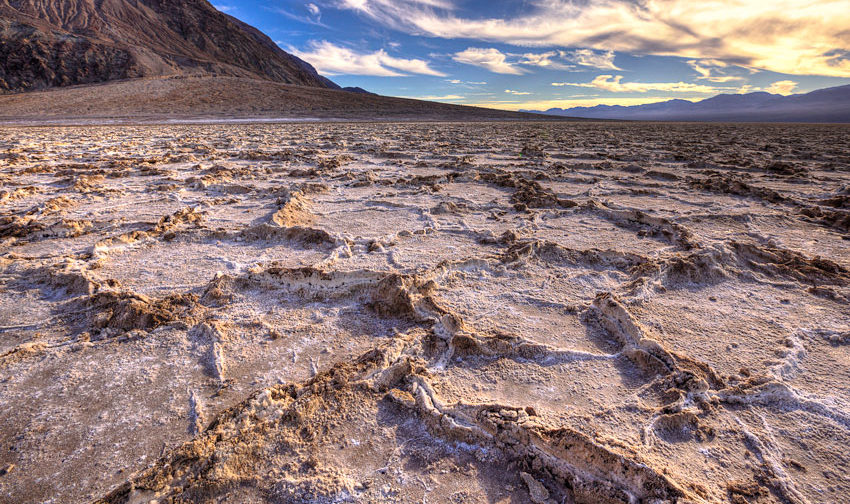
(803, 37)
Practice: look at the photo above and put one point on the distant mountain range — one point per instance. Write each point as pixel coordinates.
(56, 43)
(823, 105)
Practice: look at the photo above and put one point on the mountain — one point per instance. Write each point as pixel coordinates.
(53, 43)
(823, 105)
(222, 98)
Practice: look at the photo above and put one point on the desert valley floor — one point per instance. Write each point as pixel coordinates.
(458, 312)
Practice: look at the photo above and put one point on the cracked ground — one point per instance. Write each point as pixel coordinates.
(459, 312)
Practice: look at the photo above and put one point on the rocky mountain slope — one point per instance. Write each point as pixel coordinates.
(49, 43)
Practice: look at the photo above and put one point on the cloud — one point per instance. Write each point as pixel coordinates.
(712, 70)
(381, 7)
(225, 8)
(450, 97)
(506, 63)
(465, 83)
(784, 87)
(518, 93)
(615, 85)
(314, 18)
(587, 57)
(492, 59)
(544, 60)
(332, 59)
(802, 37)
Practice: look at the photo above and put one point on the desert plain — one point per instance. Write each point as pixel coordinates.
(425, 312)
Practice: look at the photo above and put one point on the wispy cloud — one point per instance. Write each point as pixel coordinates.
(508, 63)
(490, 58)
(784, 87)
(803, 37)
(712, 70)
(590, 58)
(466, 83)
(312, 17)
(332, 59)
(224, 8)
(517, 93)
(449, 97)
(615, 84)
(545, 60)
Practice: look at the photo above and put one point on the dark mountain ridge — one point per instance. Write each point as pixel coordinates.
(53, 43)
(823, 105)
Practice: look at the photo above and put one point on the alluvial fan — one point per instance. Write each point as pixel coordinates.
(457, 312)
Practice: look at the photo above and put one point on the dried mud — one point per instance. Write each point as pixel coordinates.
(508, 312)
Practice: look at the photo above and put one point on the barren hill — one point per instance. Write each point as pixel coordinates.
(48, 43)
(210, 97)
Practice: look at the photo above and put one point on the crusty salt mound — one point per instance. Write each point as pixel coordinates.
(547, 313)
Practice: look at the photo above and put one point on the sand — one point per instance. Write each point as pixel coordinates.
(456, 312)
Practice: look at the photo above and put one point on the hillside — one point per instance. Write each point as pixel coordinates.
(53, 43)
(207, 97)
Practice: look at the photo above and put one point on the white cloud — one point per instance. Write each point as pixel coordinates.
(784, 87)
(506, 63)
(517, 93)
(450, 97)
(314, 18)
(225, 8)
(492, 59)
(615, 85)
(803, 37)
(712, 70)
(332, 59)
(588, 57)
(544, 60)
(465, 83)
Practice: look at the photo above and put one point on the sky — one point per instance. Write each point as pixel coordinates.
(540, 54)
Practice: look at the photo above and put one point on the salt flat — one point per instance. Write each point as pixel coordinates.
(425, 312)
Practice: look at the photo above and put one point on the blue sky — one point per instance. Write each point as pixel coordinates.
(537, 54)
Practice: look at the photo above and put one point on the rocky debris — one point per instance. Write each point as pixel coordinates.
(529, 193)
(536, 490)
(124, 311)
(293, 211)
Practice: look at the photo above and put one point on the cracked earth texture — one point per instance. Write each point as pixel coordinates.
(458, 312)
